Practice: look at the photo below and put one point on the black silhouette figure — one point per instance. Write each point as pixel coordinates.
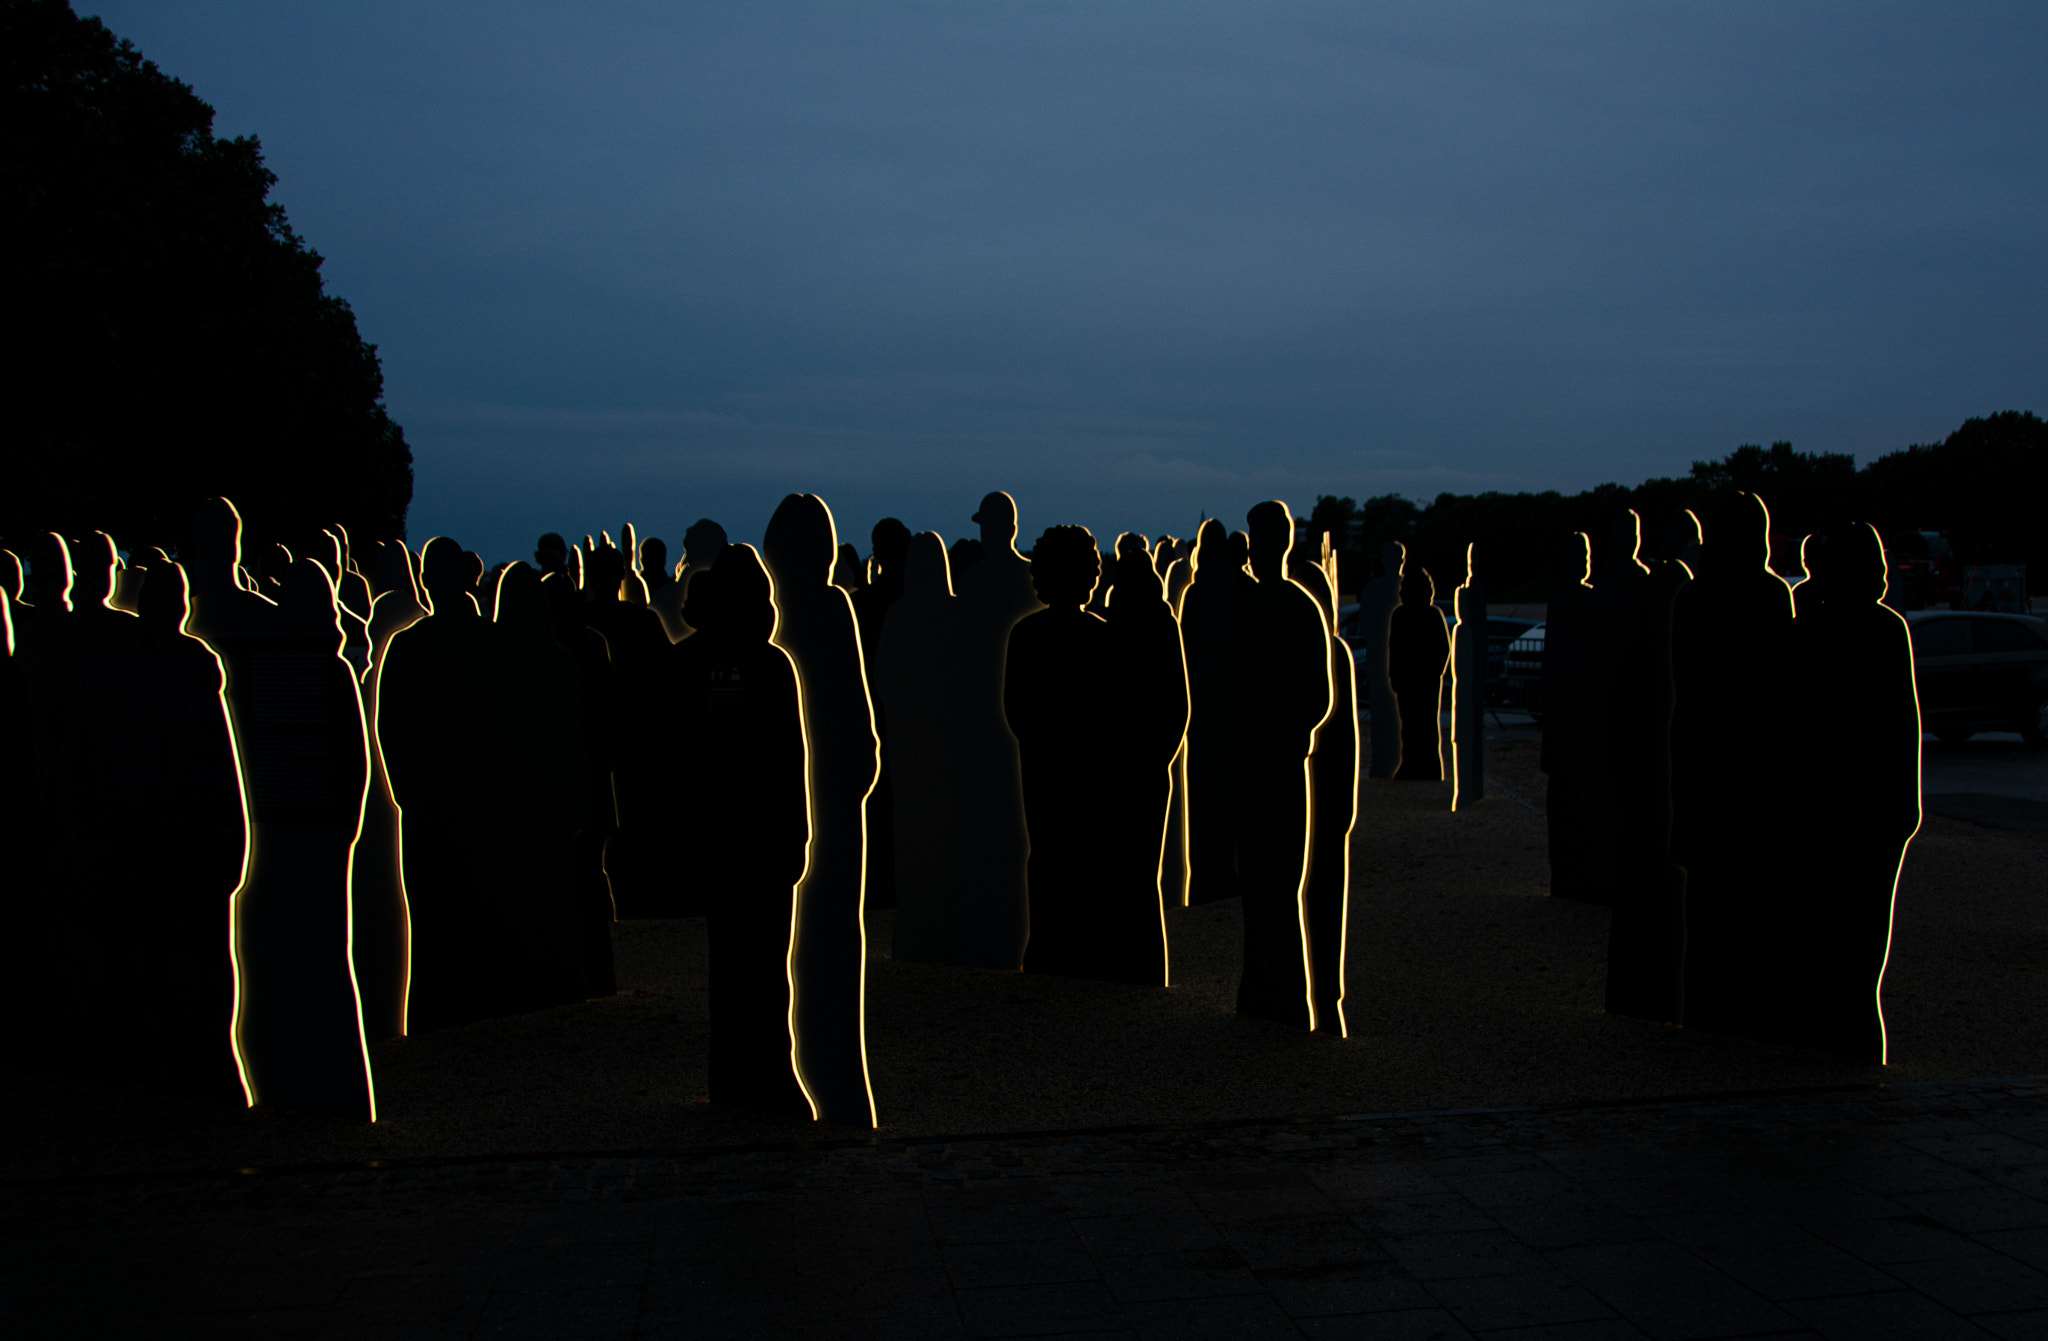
(734, 698)
(1730, 629)
(1377, 601)
(816, 627)
(702, 544)
(1646, 941)
(437, 726)
(1057, 712)
(966, 552)
(1577, 662)
(891, 541)
(550, 555)
(664, 588)
(1468, 687)
(589, 795)
(1333, 776)
(1210, 633)
(1148, 678)
(640, 859)
(383, 936)
(299, 733)
(1284, 695)
(1418, 653)
(849, 574)
(1857, 707)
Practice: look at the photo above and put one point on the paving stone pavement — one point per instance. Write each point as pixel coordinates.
(1914, 1210)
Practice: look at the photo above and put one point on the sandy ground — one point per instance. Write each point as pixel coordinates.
(1469, 986)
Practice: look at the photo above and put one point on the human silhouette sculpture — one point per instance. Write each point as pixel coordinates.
(437, 725)
(1284, 695)
(1730, 628)
(1333, 776)
(1855, 701)
(1646, 940)
(1377, 601)
(734, 697)
(1210, 634)
(1418, 653)
(890, 539)
(300, 738)
(1058, 716)
(1147, 675)
(827, 968)
(1468, 688)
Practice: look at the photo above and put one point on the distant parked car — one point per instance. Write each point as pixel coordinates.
(1981, 672)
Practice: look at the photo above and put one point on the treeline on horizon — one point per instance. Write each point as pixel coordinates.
(1985, 486)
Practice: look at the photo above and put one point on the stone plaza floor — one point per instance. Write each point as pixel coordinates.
(1908, 1210)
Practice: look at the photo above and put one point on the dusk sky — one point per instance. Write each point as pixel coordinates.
(1134, 261)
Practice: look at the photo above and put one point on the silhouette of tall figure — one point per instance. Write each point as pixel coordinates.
(734, 697)
(1171, 558)
(1468, 685)
(304, 753)
(702, 544)
(1057, 712)
(1210, 634)
(383, 936)
(640, 858)
(891, 542)
(664, 588)
(827, 969)
(1147, 672)
(1284, 695)
(1859, 716)
(1377, 601)
(1730, 628)
(589, 795)
(436, 725)
(1646, 940)
(1333, 776)
(1418, 653)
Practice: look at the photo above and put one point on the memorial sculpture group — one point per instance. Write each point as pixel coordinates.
(363, 794)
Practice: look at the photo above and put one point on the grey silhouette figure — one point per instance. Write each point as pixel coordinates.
(1860, 805)
(815, 626)
(1646, 940)
(1283, 649)
(1210, 634)
(298, 722)
(1418, 654)
(990, 834)
(1377, 601)
(1730, 628)
(1468, 688)
(1333, 775)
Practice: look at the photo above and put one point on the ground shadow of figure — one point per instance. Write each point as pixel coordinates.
(1055, 709)
(734, 697)
(436, 728)
(890, 540)
(1147, 674)
(1377, 601)
(816, 627)
(994, 594)
(303, 749)
(1333, 773)
(1646, 940)
(1730, 631)
(1209, 633)
(1859, 806)
(1468, 687)
(1282, 663)
(1418, 653)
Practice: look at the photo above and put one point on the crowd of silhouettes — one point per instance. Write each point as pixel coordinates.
(389, 791)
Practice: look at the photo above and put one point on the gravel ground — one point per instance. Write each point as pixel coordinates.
(1469, 987)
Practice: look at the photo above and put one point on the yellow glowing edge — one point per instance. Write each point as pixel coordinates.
(1351, 826)
(811, 837)
(1884, 1042)
(374, 719)
(1308, 787)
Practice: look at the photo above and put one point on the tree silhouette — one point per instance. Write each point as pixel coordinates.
(173, 341)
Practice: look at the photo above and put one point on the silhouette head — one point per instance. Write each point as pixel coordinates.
(521, 606)
(1574, 560)
(391, 568)
(801, 540)
(847, 570)
(1164, 554)
(734, 600)
(703, 542)
(1417, 586)
(449, 575)
(1272, 539)
(50, 575)
(604, 568)
(216, 541)
(166, 598)
(629, 545)
(1134, 578)
(1620, 541)
(1738, 540)
(654, 559)
(1065, 567)
(926, 570)
(1472, 562)
(889, 542)
(551, 552)
(1238, 554)
(1212, 549)
(966, 552)
(10, 574)
(94, 565)
(1393, 558)
(1849, 565)
(997, 518)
